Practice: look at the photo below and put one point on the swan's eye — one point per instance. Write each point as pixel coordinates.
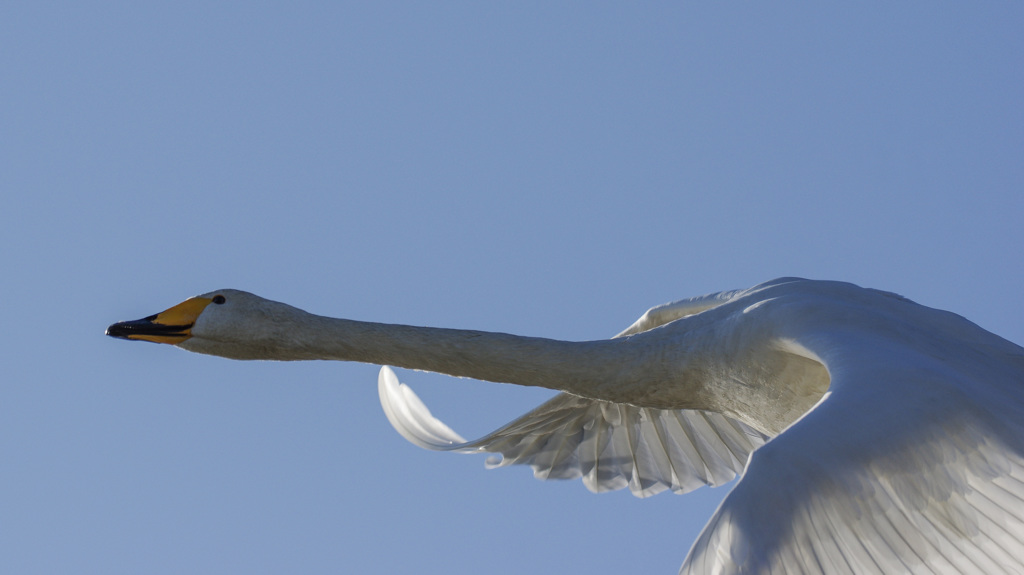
(219, 299)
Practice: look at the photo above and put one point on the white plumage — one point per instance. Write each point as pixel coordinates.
(873, 434)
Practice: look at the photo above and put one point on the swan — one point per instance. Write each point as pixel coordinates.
(872, 434)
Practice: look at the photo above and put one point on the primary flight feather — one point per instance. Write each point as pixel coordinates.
(873, 434)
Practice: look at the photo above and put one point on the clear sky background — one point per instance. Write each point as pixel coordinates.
(549, 169)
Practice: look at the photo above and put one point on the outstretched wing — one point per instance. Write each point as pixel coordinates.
(909, 465)
(611, 446)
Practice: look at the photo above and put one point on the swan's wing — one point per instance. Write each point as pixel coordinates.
(895, 471)
(609, 445)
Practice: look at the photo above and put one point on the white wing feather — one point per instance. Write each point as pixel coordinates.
(669, 312)
(611, 446)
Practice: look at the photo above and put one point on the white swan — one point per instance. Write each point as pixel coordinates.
(897, 430)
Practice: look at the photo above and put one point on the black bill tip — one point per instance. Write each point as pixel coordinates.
(145, 328)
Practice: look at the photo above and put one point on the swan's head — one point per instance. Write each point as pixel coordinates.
(229, 323)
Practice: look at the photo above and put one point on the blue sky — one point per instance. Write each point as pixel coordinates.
(535, 168)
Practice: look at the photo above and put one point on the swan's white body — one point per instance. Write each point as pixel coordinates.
(874, 435)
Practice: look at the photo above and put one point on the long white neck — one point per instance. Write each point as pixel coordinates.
(613, 370)
(499, 357)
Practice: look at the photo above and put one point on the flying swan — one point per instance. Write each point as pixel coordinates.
(873, 434)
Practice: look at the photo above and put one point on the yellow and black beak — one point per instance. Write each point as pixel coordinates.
(172, 326)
